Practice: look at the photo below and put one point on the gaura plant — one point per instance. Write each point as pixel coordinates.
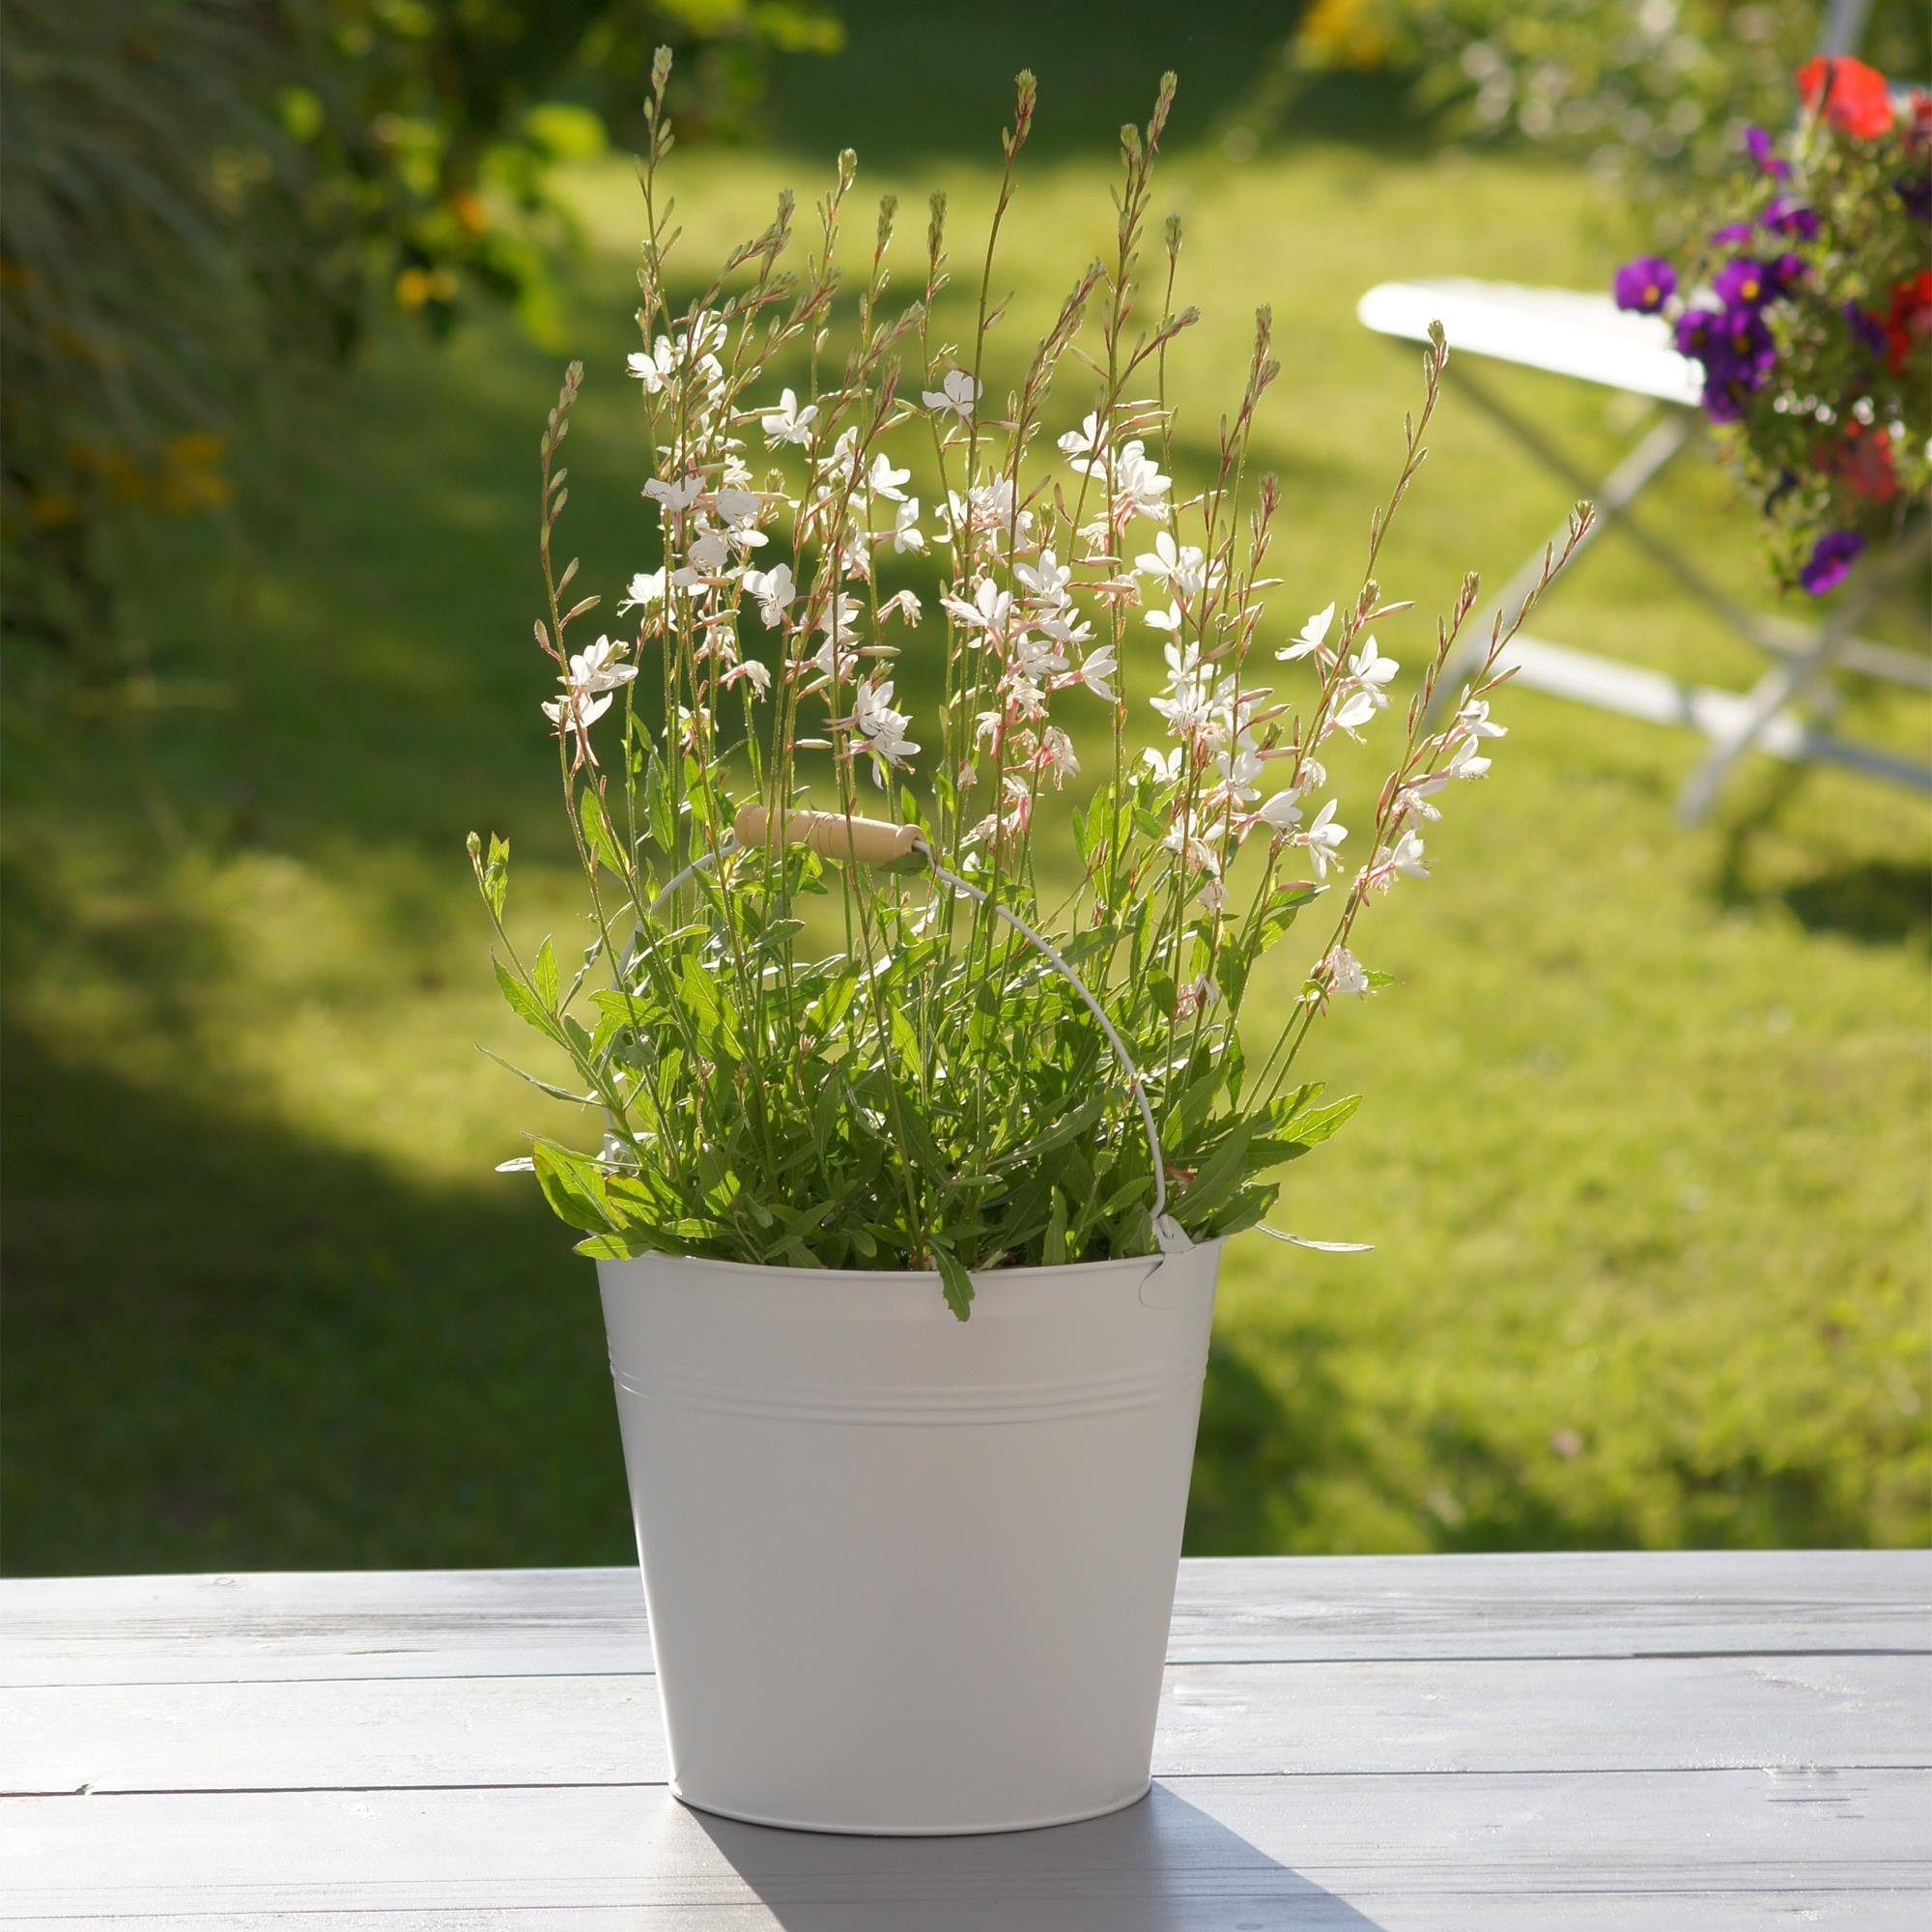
(931, 1093)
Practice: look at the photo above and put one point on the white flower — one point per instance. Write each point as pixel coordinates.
(839, 626)
(1097, 672)
(1371, 672)
(1346, 974)
(651, 367)
(1085, 445)
(1239, 769)
(1413, 801)
(1165, 620)
(576, 716)
(738, 506)
(1214, 895)
(788, 423)
(883, 480)
(646, 588)
(1046, 580)
(1467, 761)
(1404, 856)
(1138, 484)
(1056, 755)
(1035, 656)
(1324, 839)
(883, 728)
(1164, 765)
(906, 533)
(840, 616)
(775, 590)
(1473, 720)
(710, 551)
(1313, 633)
(988, 612)
(955, 396)
(1355, 711)
(905, 603)
(678, 495)
(595, 667)
(758, 677)
(1181, 566)
(1280, 813)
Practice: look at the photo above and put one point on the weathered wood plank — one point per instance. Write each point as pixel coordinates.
(1501, 1714)
(528, 1622)
(1707, 1852)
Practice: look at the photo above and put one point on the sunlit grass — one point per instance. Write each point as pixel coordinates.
(1644, 1152)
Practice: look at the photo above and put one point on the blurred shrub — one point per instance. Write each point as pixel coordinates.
(208, 202)
(1637, 85)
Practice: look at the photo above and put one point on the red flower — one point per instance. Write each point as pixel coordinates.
(1909, 318)
(1855, 98)
(1863, 465)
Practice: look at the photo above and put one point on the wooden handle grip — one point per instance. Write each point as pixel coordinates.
(865, 842)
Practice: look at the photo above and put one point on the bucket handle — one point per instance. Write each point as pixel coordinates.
(872, 842)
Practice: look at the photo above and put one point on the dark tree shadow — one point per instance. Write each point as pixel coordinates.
(902, 94)
(1158, 1866)
(1880, 902)
(417, 1377)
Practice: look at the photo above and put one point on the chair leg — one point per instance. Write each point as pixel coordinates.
(1642, 464)
(1788, 681)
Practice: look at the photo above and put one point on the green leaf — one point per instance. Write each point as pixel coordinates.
(543, 976)
(597, 831)
(493, 876)
(1220, 1173)
(957, 1283)
(555, 1091)
(522, 1002)
(572, 1185)
(1053, 1245)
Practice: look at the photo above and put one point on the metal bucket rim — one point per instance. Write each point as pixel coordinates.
(924, 1277)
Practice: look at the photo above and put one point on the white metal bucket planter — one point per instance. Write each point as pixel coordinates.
(905, 1574)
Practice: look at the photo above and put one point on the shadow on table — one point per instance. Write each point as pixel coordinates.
(1162, 1865)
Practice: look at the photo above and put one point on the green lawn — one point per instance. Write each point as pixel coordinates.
(1644, 1153)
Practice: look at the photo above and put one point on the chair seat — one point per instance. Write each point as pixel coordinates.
(1562, 330)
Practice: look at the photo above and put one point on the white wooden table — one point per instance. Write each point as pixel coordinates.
(1687, 1742)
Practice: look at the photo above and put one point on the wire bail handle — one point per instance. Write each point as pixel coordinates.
(872, 842)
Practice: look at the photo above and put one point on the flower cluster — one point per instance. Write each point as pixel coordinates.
(877, 565)
(1809, 314)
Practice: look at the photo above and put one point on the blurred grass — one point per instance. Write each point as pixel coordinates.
(1643, 1155)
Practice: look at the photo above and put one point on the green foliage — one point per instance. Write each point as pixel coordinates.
(929, 1095)
(207, 204)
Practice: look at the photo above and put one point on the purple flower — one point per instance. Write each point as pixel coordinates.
(1694, 330)
(1733, 236)
(1867, 331)
(1915, 190)
(1785, 272)
(1744, 284)
(1645, 284)
(1737, 355)
(1830, 561)
(1757, 145)
(1786, 214)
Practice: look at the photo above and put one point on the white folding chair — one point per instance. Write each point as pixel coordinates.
(1565, 333)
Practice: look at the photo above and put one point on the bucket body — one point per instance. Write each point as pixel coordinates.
(906, 1573)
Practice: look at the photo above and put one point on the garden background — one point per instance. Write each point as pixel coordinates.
(1645, 1148)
